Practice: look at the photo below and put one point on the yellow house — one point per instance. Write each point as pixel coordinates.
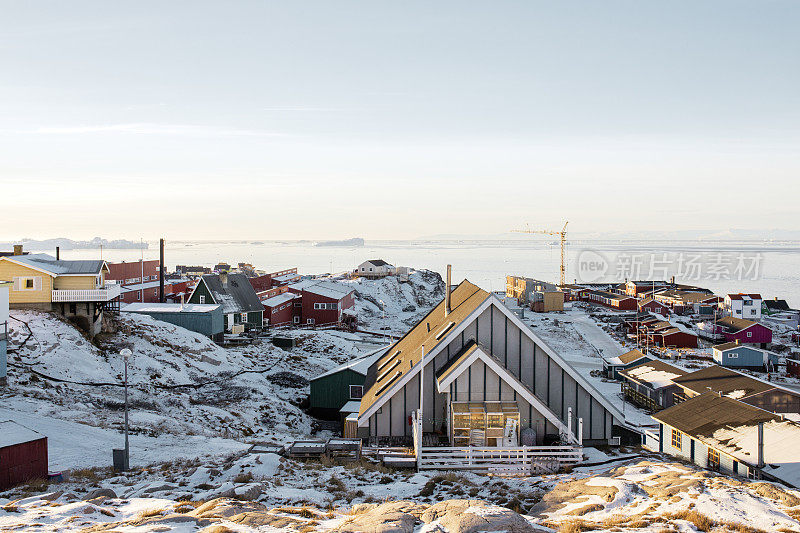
(75, 289)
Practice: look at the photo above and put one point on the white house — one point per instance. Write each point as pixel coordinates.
(743, 306)
(726, 435)
(487, 380)
(375, 268)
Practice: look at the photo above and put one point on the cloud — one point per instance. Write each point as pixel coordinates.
(144, 128)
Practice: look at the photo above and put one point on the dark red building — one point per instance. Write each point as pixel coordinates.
(324, 302)
(653, 306)
(279, 309)
(793, 367)
(131, 273)
(23, 455)
(744, 331)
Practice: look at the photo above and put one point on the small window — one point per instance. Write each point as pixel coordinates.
(749, 334)
(713, 459)
(676, 439)
(29, 283)
(733, 356)
(356, 392)
(296, 319)
(309, 321)
(202, 299)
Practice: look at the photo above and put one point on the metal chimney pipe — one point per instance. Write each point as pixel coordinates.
(58, 253)
(447, 292)
(761, 444)
(161, 271)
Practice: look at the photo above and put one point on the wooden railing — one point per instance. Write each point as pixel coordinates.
(87, 295)
(488, 459)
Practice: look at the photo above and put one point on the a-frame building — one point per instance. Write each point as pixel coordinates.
(481, 358)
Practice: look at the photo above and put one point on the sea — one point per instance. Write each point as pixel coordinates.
(768, 268)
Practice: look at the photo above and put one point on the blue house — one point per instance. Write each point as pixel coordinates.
(206, 319)
(735, 355)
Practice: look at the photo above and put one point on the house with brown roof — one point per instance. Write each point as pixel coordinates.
(651, 384)
(612, 365)
(472, 357)
(688, 302)
(745, 331)
(732, 384)
(726, 435)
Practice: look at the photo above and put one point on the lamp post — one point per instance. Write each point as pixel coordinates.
(126, 354)
(383, 319)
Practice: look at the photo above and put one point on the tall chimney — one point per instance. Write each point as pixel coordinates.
(58, 253)
(223, 277)
(161, 269)
(17, 249)
(447, 292)
(761, 444)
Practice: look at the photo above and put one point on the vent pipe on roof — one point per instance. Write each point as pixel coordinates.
(447, 293)
(761, 444)
(58, 253)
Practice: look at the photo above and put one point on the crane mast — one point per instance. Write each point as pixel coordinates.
(563, 237)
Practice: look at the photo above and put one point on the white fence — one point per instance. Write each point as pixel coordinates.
(531, 459)
(88, 295)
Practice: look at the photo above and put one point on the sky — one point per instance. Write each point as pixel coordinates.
(391, 120)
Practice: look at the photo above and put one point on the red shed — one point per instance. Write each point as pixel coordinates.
(23, 454)
(675, 338)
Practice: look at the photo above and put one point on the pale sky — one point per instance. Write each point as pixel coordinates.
(289, 120)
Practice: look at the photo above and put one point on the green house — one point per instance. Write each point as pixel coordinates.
(342, 387)
(238, 298)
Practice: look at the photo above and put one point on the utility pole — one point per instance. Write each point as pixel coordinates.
(126, 354)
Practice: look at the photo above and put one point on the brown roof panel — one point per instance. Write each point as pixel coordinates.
(702, 415)
(723, 381)
(430, 331)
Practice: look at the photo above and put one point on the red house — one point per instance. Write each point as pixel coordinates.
(744, 331)
(675, 338)
(279, 309)
(324, 302)
(653, 306)
(612, 300)
(23, 455)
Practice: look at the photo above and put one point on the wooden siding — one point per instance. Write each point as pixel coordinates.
(333, 391)
(75, 282)
(9, 270)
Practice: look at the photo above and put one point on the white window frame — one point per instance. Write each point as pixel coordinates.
(360, 395)
(202, 299)
(309, 321)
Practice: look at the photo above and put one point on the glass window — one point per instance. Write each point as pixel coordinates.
(676, 439)
(356, 392)
(713, 459)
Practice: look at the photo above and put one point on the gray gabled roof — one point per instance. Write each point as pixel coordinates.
(59, 267)
(235, 296)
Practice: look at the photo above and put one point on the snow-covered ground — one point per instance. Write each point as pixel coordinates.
(197, 407)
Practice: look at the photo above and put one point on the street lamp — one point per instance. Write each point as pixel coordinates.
(126, 354)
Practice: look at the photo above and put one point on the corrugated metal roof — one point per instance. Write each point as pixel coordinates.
(58, 267)
(12, 433)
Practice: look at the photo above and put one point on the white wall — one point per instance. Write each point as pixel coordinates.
(3, 302)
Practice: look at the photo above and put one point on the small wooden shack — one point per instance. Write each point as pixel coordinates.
(23, 454)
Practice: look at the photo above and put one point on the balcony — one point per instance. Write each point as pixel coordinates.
(107, 293)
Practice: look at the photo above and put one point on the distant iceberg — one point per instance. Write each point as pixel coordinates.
(356, 241)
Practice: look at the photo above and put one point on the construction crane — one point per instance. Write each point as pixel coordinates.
(563, 235)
